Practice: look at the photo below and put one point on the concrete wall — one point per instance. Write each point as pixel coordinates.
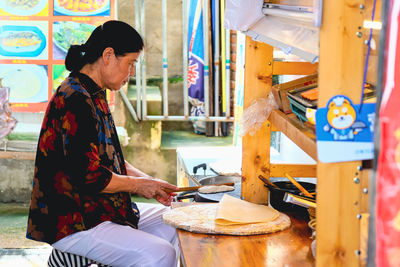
(144, 150)
(16, 180)
(153, 35)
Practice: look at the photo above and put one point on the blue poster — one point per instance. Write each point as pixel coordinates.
(196, 63)
(345, 131)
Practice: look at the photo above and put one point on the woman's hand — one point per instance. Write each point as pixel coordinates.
(158, 189)
(143, 185)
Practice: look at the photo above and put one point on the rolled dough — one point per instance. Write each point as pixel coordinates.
(232, 211)
(209, 189)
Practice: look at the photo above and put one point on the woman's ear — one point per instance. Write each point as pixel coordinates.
(108, 53)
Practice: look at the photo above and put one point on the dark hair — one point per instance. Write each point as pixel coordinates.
(116, 34)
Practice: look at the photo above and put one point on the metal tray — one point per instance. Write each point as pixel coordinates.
(296, 95)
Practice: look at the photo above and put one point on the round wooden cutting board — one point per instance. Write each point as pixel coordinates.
(200, 219)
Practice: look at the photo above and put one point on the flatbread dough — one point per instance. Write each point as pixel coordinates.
(228, 167)
(233, 211)
(201, 219)
(209, 189)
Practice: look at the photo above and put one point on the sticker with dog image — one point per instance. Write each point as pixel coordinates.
(344, 130)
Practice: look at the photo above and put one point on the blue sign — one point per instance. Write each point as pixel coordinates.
(345, 131)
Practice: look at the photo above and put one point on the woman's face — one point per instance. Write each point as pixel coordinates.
(119, 69)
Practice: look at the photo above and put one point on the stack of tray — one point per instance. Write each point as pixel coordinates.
(300, 104)
(280, 91)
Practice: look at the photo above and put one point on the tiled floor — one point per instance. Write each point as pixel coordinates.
(19, 257)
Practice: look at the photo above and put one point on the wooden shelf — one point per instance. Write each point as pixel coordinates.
(290, 247)
(300, 133)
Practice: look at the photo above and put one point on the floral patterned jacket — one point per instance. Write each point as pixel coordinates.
(77, 151)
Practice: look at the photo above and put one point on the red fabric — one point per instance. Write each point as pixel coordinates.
(388, 172)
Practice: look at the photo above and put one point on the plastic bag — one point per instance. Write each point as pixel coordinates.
(256, 114)
(7, 123)
(241, 14)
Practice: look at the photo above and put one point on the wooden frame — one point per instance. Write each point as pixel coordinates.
(342, 187)
(256, 159)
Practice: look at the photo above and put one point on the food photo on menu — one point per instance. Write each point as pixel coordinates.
(59, 75)
(67, 33)
(81, 7)
(22, 7)
(19, 77)
(23, 40)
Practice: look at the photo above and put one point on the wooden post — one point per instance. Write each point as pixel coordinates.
(364, 211)
(340, 72)
(256, 148)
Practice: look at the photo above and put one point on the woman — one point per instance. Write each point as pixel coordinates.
(81, 187)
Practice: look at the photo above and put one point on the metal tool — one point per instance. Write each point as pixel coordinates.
(302, 189)
(195, 188)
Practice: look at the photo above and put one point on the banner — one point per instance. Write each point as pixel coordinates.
(196, 63)
(34, 39)
(388, 171)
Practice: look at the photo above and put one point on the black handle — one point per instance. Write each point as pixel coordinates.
(185, 195)
(203, 165)
(214, 171)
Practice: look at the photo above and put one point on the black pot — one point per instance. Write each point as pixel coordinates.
(276, 195)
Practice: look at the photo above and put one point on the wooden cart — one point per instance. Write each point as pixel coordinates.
(342, 201)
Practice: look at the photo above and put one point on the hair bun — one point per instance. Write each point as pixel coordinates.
(83, 48)
(74, 60)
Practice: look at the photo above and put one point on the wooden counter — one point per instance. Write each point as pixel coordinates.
(290, 247)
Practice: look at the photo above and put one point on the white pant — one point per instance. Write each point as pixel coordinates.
(153, 244)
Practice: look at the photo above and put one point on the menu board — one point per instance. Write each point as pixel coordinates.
(34, 39)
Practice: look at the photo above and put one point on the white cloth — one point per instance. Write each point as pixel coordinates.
(153, 244)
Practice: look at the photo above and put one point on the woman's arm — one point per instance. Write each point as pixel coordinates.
(132, 171)
(147, 187)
